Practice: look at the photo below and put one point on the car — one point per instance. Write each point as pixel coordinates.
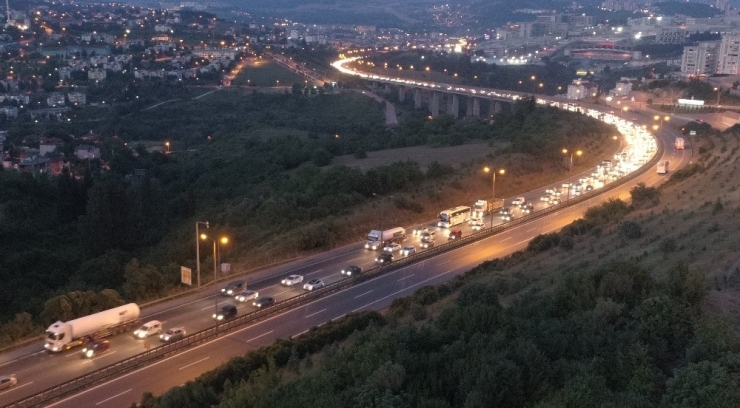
(589, 187)
(245, 295)
(292, 280)
(392, 247)
(233, 288)
(507, 217)
(352, 270)
(545, 198)
(384, 258)
(505, 210)
(477, 225)
(148, 329)
(518, 201)
(528, 208)
(96, 347)
(173, 334)
(408, 250)
(428, 236)
(421, 230)
(427, 244)
(454, 234)
(567, 185)
(555, 201)
(226, 312)
(265, 301)
(314, 284)
(7, 381)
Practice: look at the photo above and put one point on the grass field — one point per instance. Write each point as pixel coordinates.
(424, 155)
(266, 73)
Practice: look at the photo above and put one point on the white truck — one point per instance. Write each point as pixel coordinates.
(679, 143)
(481, 208)
(65, 335)
(663, 167)
(376, 237)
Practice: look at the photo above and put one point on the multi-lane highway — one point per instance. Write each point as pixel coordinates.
(36, 370)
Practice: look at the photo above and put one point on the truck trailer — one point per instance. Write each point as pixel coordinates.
(679, 143)
(663, 167)
(481, 208)
(65, 335)
(376, 238)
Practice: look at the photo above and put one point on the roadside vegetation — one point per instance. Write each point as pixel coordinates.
(257, 167)
(630, 306)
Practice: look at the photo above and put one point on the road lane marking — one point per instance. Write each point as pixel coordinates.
(296, 335)
(363, 294)
(21, 358)
(194, 363)
(117, 395)
(316, 271)
(505, 239)
(261, 335)
(402, 290)
(314, 314)
(445, 262)
(285, 291)
(90, 360)
(15, 388)
(406, 277)
(531, 229)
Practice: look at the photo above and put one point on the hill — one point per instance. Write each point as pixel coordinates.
(630, 306)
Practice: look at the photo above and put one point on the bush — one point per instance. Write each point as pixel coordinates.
(668, 245)
(644, 196)
(321, 157)
(402, 203)
(437, 170)
(566, 242)
(684, 173)
(360, 153)
(630, 229)
(543, 242)
(609, 212)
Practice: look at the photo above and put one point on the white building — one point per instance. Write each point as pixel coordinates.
(577, 90)
(55, 99)
(623, 88)
(96, 74)
(671, 36)
(161, 28)
(700, 59)
(87, 152)
(77, 98)
(729, 55)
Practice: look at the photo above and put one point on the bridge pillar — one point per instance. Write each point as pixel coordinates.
(401, 93)
(476, 106)
(469, 106)
(417, 98)
(434, 104)
(387, 88)
(454, 108)
(496, 107)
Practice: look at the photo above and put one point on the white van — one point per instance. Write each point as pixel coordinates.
(148, 329)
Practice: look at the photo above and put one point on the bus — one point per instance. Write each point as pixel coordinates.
(453, 216)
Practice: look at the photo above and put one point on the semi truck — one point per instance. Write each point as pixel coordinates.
(481, 208)
(376, 238)
(65, 335)
(679, 143)
(663, 167)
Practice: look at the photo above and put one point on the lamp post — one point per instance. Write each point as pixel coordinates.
(493, 185)
(534, 84)
(570, 162)
(168, 146)
(718, 90)
(197, 247)
(216, 252)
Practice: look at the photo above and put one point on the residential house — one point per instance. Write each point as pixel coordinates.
(34, 164)
(49, 145)
(96, 74)
(77, 98)
(55, 99)
(85, 152)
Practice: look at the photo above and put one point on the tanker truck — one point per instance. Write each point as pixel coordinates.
(65, 335)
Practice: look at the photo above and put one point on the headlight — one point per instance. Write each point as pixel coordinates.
(220, 317)
(89, 353)
(223, 290)
(214, 315)
(166, 338)
(376, 259)
(230, 292)
(55, 348)
(84, 350)
(254, 303)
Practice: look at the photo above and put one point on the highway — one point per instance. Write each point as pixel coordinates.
(37, 370)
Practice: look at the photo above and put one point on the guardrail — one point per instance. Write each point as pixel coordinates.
(129, 364)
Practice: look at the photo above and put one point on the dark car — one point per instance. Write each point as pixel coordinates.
(233, 288)
(352, 270)
(95, 348)
(384, 258)
(264, 301)
(454, 234)
(226, 312)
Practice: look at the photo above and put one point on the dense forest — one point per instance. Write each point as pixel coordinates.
(254, 166)
(611, 335)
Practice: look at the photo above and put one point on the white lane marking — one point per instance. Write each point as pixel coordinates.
(316, 271)
(21, 358)
(363, 294)
(90, 360)
(296, 335)
(445, 262)
(314, 314)
(194, 363)
(261, 335)
(16, 387)
(531, 229)
(285, 291)
(117, 395)
(505, 239)
(402, 290)
(406, 277)
(354, 259)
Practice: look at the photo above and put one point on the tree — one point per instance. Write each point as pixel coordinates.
(142, 282)
(703, 384)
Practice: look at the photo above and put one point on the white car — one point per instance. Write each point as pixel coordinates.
(393, 247)
(477, 225)
(314, 284)
(246, 295)
(7, 381)
(408, 250)
(518, 201)
(292, 280)
(148, 329)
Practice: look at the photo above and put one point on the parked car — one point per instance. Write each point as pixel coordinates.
(352, 270)
(292, 280)
(314, 284)
(226, 312)
(148, 329)
(246, 295)
(173, 334)
(408, 250)
(95, 348)
(264, 301)
(392, 247)
(7, 381)
(384, 258)
(233, 288)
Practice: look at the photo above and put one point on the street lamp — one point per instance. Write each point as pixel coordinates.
(216, 252)
(197, 247)
(570, 163)
(168, 146)
(493, 185)
(718, 90)
(534, 83)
